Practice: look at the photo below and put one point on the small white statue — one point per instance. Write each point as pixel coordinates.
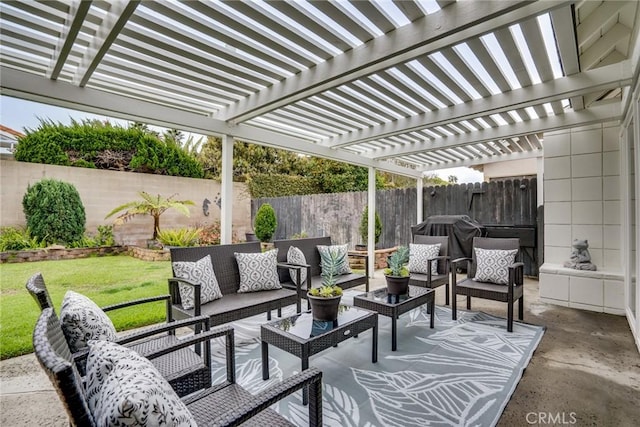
(580, 257)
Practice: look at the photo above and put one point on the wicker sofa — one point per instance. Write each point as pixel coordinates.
(308, 246)
(233, 305)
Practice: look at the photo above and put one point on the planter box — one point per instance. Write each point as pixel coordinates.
(52, 254)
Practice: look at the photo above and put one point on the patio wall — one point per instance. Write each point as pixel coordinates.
(101, 191)
(582, 201)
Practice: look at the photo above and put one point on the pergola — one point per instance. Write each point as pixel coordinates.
(401, 86)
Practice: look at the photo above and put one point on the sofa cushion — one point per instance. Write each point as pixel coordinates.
(419, 255)
(82, 320)
(492, 265)
(296, 256)
(328, 267)
(131, 391)
(200, 272)
(258, 271)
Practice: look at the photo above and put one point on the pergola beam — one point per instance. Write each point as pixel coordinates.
(599, 114)
(447, 27)
(77, 13)
(104, 38)
(30, 86)
(604, 78)
(486, 160)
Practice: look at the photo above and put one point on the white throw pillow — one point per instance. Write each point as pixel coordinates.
(258, 271)
(201, 272)
(340, 252)
(296, 256)
(419, 254)
(492, 265)
(130, 390)
(82, 320)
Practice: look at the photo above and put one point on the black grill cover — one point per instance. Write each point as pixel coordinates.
(460, 228)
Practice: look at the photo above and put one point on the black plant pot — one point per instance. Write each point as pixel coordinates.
(397, 285)
(325, 309)
(251, 237)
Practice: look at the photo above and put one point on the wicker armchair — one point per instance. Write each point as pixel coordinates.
(226, 404)
(443, 277)
(509, 293)
(186, 370)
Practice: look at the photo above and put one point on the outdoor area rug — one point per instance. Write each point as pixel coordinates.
(460, 373)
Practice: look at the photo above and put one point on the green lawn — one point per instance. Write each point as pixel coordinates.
(106, 280)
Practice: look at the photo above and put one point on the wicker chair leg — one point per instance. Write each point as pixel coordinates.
(279, 311)
(468, 302)
(315, 404)
(510, 316)
(446, 295)
(521, 308)
(268, 315)
(454, 308)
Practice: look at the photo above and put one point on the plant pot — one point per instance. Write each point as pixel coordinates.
(251, 237)
(325, 309)
(361, 248)
(397, 285)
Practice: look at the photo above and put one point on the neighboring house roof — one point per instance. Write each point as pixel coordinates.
(8, 139)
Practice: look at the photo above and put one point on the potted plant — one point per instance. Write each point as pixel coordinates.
(324, 301)
(364, 229)
(397, 273)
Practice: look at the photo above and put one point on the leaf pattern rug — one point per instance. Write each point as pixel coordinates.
(461, 373)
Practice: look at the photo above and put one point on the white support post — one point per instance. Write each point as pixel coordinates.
(419, 200)
(540, 180)
(371, 236)
(226, 190)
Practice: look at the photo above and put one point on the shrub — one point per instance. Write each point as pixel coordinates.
(17, 239)
(265, 223)
(94, 144)
(54, 212)
(104, 237)
(364, 226)
(210, 234)
(179, 236)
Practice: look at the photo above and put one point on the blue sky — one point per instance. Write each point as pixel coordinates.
(19, 115)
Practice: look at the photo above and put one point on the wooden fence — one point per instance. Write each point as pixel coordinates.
(499, 204)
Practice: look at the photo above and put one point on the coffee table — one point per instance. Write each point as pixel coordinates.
(303, 337)
(395, 305)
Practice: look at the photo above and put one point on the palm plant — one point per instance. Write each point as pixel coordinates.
(150, 205)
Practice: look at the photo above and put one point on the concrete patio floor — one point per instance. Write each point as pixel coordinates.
(585, 372)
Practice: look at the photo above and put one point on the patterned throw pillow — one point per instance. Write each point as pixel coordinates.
(295, 256)
(201, 272)
(82, 320)
(130, 390)
(492, 265)
(419, 254)
(258, 271)
(337, 266)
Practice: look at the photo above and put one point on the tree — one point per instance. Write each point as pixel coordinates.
(150, 205)
(452, 179)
